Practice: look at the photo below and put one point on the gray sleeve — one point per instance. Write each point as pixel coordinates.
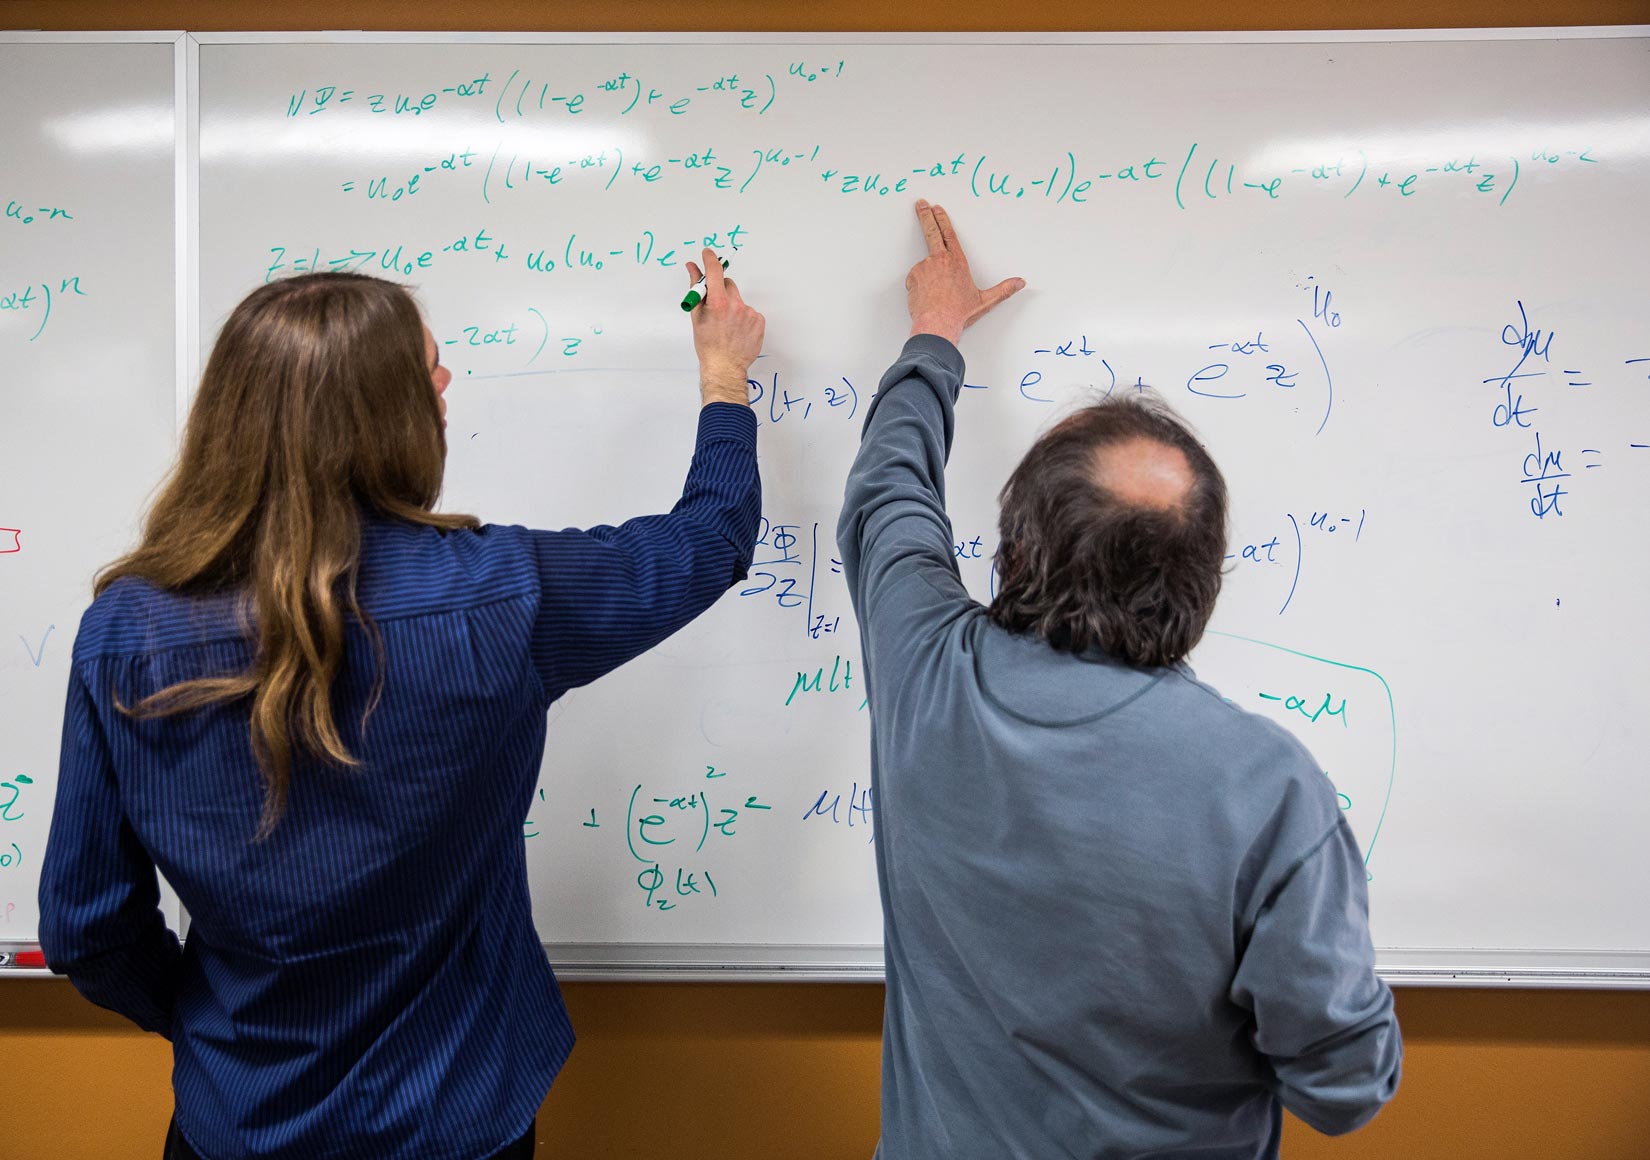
(1323, 1018)
(894, 534)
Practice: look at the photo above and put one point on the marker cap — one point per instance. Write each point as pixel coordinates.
(696, 295)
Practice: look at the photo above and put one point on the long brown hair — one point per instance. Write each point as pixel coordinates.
(316, 407)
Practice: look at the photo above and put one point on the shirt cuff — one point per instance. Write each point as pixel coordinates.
(942, 350)
(734, 421)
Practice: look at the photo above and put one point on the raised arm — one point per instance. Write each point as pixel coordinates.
(894, 533)
(609, 594)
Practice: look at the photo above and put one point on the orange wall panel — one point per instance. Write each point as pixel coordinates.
(780, 1071)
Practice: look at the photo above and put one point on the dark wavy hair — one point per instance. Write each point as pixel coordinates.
(1080, 566)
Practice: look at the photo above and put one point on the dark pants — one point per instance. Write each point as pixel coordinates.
(177, 1148)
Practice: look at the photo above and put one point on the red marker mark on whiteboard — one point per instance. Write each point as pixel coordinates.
(15, 536)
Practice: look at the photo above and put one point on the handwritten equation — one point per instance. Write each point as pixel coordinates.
(1545, 479)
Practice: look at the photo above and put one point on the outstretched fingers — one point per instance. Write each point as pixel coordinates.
(931, 232)
(1005, 289)
(948, 234)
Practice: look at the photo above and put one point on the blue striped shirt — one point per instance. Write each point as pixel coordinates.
(367, 982)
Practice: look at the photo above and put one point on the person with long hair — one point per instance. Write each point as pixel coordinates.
(318, 706)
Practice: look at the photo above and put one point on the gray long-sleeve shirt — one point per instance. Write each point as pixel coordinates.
(1122, 917)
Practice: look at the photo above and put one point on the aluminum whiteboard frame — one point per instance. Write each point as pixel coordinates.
(844, 963)
(690, 962)
(1329, 36)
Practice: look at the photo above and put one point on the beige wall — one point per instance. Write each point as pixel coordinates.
(790, 1072)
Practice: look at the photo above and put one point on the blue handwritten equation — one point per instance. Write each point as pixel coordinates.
(1230, 368)
(1285, 550)
(1546, 479)
(786, 569)
(1048, 360)
(779, 398)
(830, 808)
(1258, 365)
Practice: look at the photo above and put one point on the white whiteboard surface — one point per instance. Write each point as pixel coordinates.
(1336, 254)
(1326, 253)
(88, 339)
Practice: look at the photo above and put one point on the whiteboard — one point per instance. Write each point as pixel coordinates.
(88, 339)
(1396, 281)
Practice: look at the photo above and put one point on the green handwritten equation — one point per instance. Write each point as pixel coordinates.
(37, 301)
(23, 213)
(523, 95)
(675, 829)
(570, 252)
(1193, 175)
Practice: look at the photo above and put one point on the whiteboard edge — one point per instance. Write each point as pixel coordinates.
(1516, 980)
(1305, 36)
(37, 36)
(186, 222)
(854, 963)
(186, 114)
(842, 973)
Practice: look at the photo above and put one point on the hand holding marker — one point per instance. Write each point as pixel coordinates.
(727, 334)
(696, 292)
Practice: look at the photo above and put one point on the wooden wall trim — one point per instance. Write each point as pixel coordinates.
(811, 15)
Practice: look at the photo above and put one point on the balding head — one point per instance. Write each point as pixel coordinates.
(1113, 535)
(1142, 472)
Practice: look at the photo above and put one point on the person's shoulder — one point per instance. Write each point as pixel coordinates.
(1264, 758)
(1221, 712)
(411, 568)
(112, 613)
(133, 616)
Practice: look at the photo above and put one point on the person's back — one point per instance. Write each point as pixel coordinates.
(318, 707)
(1096, 883)
(373, 951)
(1123, 918)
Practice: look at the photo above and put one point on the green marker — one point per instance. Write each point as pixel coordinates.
(696, 293)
